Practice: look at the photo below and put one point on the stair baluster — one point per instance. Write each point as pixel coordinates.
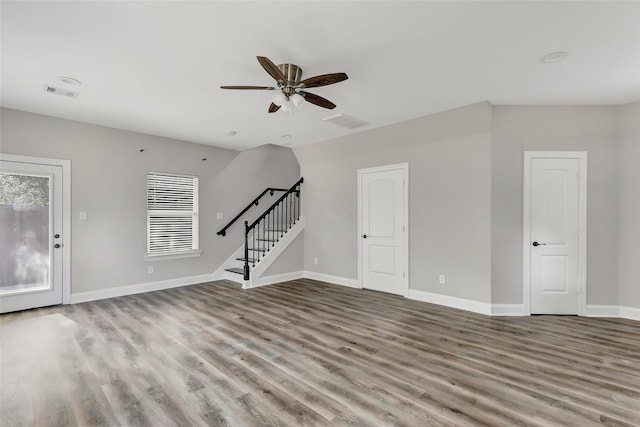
(269, 227)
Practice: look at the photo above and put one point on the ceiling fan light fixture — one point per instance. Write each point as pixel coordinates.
(287, 106)
(278, 99)
(297, 99)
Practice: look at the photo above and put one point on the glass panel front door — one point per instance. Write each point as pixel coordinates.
(30, 235)
(25, 229)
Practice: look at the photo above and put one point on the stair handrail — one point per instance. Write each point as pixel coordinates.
(270, 190)
(284, 196)
(295, 188)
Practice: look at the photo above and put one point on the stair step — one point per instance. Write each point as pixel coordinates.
(250, 259)
(276, 230)
(258, 249)
(235, 270)
(266, 240)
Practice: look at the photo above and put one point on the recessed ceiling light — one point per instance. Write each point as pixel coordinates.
(550, 58)
(70, 81)
(288, 144)
(232, 133)
(286, 136)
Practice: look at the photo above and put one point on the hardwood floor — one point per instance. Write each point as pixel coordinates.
(308, 353)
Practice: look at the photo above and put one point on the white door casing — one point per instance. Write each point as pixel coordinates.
(54, 263)
(383, 219)
(555, 232)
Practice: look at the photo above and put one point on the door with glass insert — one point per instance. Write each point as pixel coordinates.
(30, 235)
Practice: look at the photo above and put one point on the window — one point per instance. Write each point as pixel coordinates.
(172, 215)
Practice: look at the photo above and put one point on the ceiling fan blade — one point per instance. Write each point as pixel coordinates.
(248, 87)
(273, 108)
(271, 68)
(323, 80)
(318, 100)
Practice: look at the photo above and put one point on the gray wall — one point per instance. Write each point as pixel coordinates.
(449, 158)
(519, 129)
(629, 190)
(109, 182)
(290, 261)
(465, 196)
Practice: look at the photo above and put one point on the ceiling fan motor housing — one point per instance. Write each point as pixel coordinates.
(291, 72)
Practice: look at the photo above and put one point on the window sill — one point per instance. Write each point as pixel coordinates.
(177, 255)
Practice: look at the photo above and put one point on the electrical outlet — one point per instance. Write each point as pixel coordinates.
(442, 279)
(150, 269)
(315, 261)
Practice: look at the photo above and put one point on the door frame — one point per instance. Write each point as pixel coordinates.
(66, 212)
(405, 171)
(581, 156)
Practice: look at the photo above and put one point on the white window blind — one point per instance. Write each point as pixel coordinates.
(172, 213)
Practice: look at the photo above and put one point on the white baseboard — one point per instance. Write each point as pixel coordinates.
(631, 313)
(336, 280)
(139, 288)
(278, 278)
(508, 310)
(449, 301)
(602, 311)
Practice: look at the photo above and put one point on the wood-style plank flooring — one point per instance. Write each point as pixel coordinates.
(309, 353)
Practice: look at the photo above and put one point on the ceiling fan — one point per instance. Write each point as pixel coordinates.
(288, 81)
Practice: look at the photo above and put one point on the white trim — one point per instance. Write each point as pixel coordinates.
(632, 313)
(285, 241)
(405, 170)
(336, 280)
(174, 255)
(449, 301)
(220, 273)
(623, 312)
(66, 213)
(278, 278)
(508, 310)
(602, 311)
(582, 224)
(139, 288)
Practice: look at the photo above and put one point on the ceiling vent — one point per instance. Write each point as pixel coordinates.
(60, 91)
(345, 121)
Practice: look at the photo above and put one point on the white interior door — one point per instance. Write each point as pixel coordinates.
(554, 235)
(382, 229)
(31, 219)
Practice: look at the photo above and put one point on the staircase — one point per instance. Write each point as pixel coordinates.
(265, 238)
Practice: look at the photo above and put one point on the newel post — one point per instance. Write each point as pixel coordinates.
(246, 250)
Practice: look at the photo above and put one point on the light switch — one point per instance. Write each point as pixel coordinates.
(83, 215)
(219, 215)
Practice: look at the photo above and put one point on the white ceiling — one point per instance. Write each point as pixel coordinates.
(156, 67)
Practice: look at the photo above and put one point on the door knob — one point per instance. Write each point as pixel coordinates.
(57, 246)
(364, 236)
(538, 244)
